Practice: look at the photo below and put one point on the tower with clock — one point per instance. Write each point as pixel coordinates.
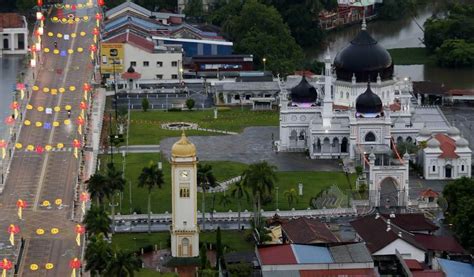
(184, 227)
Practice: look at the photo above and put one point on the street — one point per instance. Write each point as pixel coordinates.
(49, 177)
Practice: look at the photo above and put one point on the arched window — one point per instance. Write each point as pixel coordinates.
(409, 139)
(370, 137)
(344, 145)
(399, 140)
(347, 95)
(293, 135)
(302, 135)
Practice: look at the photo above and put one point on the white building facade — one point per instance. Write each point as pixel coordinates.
(13, 34)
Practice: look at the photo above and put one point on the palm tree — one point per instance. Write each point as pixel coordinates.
(123, 264)
(115, 179)
(205, 179)
(97, 221)
(98, 253)
(291, 196)
(239, 192)
(225, 200)
(97, 188)
(150, 178)
(260, 178)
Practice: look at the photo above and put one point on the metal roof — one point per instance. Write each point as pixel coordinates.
(309, 254)
(351, 253)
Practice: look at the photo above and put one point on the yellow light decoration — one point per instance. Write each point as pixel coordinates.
(67, 6)
(18, 145)
(62, 90)
(67, 122)
(50, 34)
(48, 147)
(30, 147)
(89, 4)
(68, 107)
(34, 267)
(57, 109)
(29, 107)
(86, 18)
(46, 50)
(80, 49)
(49, 266)
(58, 201)
(80, 6)
(64, 20)
(38, 124)
(59, 35)
(45, 89)
(77, 19)
(55, 123)
(35, 88)
(60, 145)
(70, 21)
(54, 91)
(73, 35)
(39, 231)
(40, 109)
(54, 231)
(55, 19)
(82, 33)
(45, 203)
(70, 51)
(27, 122)
(72, 88)
(55, 51)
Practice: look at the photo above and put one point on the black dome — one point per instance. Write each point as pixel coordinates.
(304, 92)
(365, 58)
(368, 102)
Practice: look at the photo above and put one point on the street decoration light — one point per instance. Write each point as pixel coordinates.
(74, 264)
(5, 265)
(79, 229)
(21, 204)
(12, 230)
(76, 144)
(84, 198)
(3, 145)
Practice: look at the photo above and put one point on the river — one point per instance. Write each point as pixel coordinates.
(10, 66)
(400, 34)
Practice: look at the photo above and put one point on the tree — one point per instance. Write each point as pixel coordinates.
(406, 147)
(463, 222)
(239, 192)
(223, 10)
(203, 256)
(97, 221)
(396, 9)
(193, 8)
(454, 191)
(114, 178)
(219, 250)
(145, 104)
(97, 255)
(260, 178)
(240, 269)
(25, 5)
(455, 53)
(265, 36)
(292, 196)
(123, 264)
(190, 103)
(225, 200)
(150, 178)
(96, 186)
(205, 179)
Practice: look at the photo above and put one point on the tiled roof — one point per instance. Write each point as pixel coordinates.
(366, 272)
(413, 264)
(275, 255)
(429, 193)
(412, 222)
(428, 87)
(304, 230)
(134, 40)
(448, 146)
(340, 107)
(395, 107)
(428, 273)
(131, 75)
(11, 20)
(440, 243)
(376, 236)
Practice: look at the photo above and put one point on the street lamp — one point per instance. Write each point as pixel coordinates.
(264, 60)
(115, 88)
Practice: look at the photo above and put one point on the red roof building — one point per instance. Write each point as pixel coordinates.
(447, 145)
(304, 230)
(11, 20)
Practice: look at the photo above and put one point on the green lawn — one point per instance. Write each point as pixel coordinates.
(409, 56)
(233, 240)
(145, 127)
(145, 272)
(313, 183)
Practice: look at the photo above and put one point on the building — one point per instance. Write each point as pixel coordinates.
(454, 268)
(152, 62)
(407, 234)
(184, 227)
(13, 33)
(310, 260)
(221, 63)
(306, 231)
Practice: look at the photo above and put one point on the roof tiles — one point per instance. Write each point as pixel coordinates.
(448, 146)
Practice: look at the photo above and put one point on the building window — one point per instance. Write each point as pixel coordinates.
(184, 192)
(174, 64)
(347, 95)
(174, 76)
(146, 63)
(133, 63)
(462, 168)
(159, 76)
(433, 169)
(159, 64)
(370, 137)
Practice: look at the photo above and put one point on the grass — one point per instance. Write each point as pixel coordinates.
(409, 56)
(145, 127)
(234, 240)
(313, 183)
(144, 272)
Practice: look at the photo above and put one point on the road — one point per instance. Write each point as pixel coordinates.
(49, 176)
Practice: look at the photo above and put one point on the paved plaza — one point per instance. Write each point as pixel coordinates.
(254, 144)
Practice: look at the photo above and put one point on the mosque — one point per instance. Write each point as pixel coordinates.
(358, 111)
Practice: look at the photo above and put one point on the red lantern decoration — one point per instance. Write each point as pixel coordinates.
(80, 229)
(13, 229)
(100, 2)
(83, 105)
(33, 48)
(95, 31)
(10, 120)
(21, 204)
(76, 143)
(40, 3)
(98, 16)
(93, 48)
(84, 197)
(39, 149)
(86, 86)
(20, 86)
(6, 264)
(3, 143)
(73, 7)
(75, 263)
(14, 105)
(80, 121)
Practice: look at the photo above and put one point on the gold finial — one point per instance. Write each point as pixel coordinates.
(183, 147)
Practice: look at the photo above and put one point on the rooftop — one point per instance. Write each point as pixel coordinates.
(452, 268)
(133, 39)
(439, 243)
(448, 146)
(11, 20)
(412, 222)
(305, 230)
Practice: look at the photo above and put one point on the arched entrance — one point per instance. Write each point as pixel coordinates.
(389, 193)
(448, 171)
(344, 145)
(6, 45)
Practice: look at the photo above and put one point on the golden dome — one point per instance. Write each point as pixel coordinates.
(183, 148)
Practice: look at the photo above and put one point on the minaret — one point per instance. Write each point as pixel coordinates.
(184, 228)
(327, 103)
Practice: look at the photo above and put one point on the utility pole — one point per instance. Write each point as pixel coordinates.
(115, 89)
(111, 139)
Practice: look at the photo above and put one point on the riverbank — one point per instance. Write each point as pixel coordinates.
(411, 56)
